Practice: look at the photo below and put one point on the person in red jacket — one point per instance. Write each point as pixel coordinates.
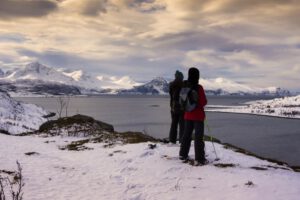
(194, 120)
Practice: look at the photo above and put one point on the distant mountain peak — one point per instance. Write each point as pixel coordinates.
(277, 91)
(38, 78)
(35, 76)
(76, 75)
(157, 86)
(159, 78)
(35, 63)
(158, 81)
(36, 67)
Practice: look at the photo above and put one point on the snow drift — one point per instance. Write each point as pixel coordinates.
(17, 117)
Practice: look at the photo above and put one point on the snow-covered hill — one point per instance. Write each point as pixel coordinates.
(288, 107)
(135, 171)
(17, 117)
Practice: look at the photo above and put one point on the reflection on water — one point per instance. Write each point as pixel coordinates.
(266, 136)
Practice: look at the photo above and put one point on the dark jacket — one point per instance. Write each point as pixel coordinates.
(174, 91)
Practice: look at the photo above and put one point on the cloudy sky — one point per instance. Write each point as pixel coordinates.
(256, 42)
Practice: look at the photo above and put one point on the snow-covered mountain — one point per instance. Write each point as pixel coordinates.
(17, 117)
(37, 71)
(218, 86)
(1, 73)
(222, 86)
(39, 79)
(36, 78)
(157, 86)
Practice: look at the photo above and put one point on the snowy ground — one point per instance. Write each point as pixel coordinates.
(288, 107)
(134, 171)
(17, 117)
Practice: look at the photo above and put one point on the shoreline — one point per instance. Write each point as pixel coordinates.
(255, 114)
(235, 148)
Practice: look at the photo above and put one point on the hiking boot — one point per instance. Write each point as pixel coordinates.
(200, 163)
(196, 163)
(184, 159)
(204, 162)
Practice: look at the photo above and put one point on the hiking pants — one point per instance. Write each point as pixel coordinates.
(198, 126)
(177, 120)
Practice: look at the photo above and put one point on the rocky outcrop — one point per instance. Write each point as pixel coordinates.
(74, 126)
(93, 131)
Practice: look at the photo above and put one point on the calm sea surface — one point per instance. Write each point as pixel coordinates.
(270, 137)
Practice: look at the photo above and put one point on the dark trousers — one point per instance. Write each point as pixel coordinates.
(177, 120)
(198, 126)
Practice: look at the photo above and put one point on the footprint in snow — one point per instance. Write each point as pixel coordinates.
(129, 169)
(126, 161)
(170, 157)
(146, 154)
(172, 169)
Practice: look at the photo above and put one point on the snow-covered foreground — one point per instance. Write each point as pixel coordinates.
(288, 107)
(17, 117)
(134, 171)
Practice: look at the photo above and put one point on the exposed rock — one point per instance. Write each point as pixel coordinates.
(75, 125)
(92, 130)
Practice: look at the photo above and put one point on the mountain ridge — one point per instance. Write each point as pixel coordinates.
(38, 79)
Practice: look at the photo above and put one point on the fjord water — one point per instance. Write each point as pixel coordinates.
(270, 137)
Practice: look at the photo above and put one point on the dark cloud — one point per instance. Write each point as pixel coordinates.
(191, 40)
(94, 7)
(143, 6)
(252, 5)
(26, 8)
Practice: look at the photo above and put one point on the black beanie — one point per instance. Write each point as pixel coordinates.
(193, 76)
(179, 75)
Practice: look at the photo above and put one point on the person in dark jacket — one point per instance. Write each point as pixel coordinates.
(176, 110)
(194, 120)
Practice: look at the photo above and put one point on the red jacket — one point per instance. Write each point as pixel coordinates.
(198, 114)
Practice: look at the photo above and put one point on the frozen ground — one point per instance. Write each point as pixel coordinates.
(288, 107)
(134, 171)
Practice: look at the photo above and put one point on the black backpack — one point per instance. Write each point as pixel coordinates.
(188, 98)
